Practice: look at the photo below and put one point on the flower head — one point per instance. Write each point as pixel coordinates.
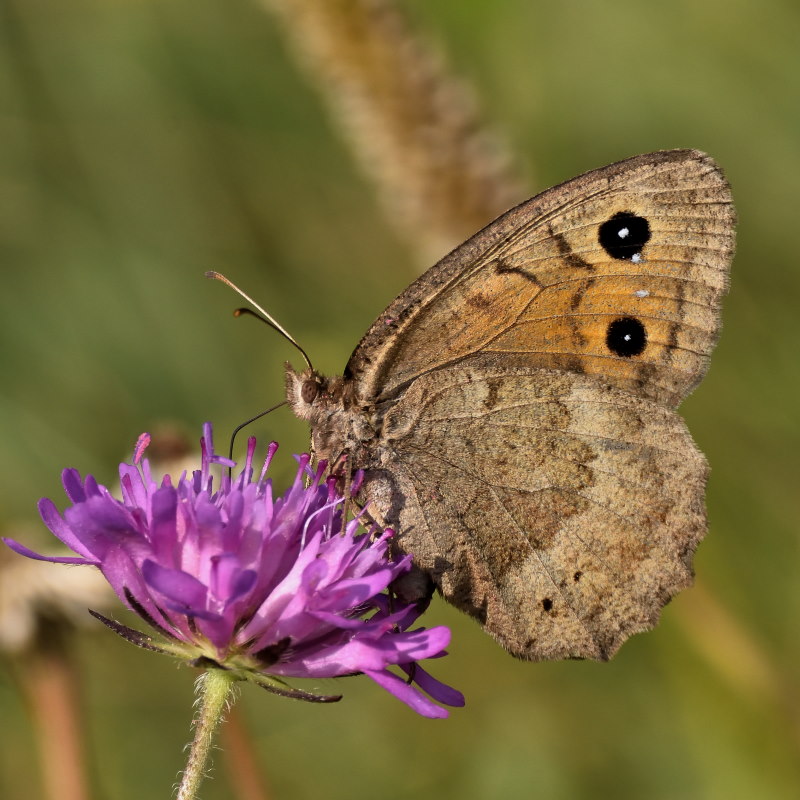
(232, 576)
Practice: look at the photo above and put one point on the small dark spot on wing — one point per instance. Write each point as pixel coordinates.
(566, 252)
(502, 267)
(490, 401)
(479, 301)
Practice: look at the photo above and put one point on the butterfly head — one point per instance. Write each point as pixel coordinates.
(328, 405)
(308, 393)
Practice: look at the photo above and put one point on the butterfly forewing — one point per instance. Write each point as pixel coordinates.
(542, 285)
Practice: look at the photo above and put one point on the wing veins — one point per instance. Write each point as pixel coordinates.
(607, 314)
(486, 483)
(610, 571)
(584, 434)
(544, 566)
(615, 574)
(586, 355)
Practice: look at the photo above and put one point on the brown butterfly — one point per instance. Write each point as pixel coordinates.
(514, 409)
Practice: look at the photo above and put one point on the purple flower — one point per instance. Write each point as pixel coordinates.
(233, 577)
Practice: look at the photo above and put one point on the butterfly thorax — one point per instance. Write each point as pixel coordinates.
(339, 422)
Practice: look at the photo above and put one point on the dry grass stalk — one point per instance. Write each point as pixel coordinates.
(413, 128)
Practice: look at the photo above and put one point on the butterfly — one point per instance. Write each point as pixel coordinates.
(514, 409)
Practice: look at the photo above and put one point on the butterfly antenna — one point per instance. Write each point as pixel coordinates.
(247, 422)
(264, 317)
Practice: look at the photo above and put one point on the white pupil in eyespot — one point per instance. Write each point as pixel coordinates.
(623, 233)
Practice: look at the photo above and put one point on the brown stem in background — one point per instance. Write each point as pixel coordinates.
(415, 130)
(241, 761)
(50, 682)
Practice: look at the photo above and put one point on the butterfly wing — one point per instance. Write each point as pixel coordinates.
(560, 513)
(522, 396)
(618, 273)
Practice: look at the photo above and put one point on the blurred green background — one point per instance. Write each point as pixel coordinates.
(142, 143)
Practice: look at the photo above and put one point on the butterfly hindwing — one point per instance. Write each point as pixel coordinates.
(561, 513)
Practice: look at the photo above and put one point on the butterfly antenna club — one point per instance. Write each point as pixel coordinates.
(262, 315)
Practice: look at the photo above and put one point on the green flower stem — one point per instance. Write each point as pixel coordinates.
(214, 690)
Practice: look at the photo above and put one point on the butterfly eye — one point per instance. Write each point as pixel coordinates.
(626, 337)
(309, 390)
(624, 235)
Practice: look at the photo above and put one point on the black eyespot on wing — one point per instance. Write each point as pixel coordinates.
(626, 337)
(624, 235)
(547, 604)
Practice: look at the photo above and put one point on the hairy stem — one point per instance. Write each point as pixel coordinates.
(214, 690)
